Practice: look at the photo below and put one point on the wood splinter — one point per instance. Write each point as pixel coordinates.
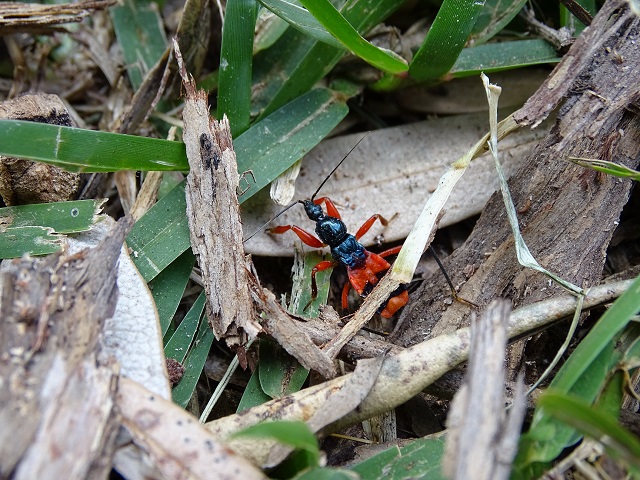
(214, 216)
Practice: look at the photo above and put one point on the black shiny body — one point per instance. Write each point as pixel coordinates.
(345, 249)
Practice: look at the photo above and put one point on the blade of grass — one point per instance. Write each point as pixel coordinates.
(14, 242)
(420, 459)
(583, 375)
(496, 57)
(493, 17)
(80, 150)
(340, 28)
(609, 168)
(236, 59)
(35, 229)
(178, 345)
(618, 442)
(302, 61)
(63, 217)
(168, 287)
(302, 20)
(445, 40)
(140, 32)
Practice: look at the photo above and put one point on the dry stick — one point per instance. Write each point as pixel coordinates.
(402, 376)
(214, 216)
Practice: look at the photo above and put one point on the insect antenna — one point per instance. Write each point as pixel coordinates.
(336, 167)
(312, 196)
(271, 220)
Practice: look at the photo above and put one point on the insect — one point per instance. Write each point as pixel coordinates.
(363, 267)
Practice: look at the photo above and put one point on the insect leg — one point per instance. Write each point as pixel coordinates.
(303, 235)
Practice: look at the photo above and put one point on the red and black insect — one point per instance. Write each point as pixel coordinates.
(364, 268)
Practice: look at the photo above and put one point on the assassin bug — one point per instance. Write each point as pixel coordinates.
(363, 267)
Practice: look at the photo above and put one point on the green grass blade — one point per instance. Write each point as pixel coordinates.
(445, 40)
(584, 376)
(80, 150)
(341, 29)
(194, 364)
(607, 167)
(302, 20)
(253, 394)
(280, 374)
(267, 148)
(294, 434)
(302, 61)
(168, 287)
(178, 345)
(618, 442)
(35, 229)
(63, 217)
(495, 57)
(420, 459)
(140, 32)
(161, 235)
(494, 16)
(275, 143)
(236, 59)
(14, 242)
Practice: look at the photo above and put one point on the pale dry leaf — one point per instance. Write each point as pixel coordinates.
(132, 335)
(392, 172)
(174, 440)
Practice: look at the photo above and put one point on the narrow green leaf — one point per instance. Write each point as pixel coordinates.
(494, 16)
(341, 29)
(140, 32)
(161, 235)
(34, 229)
(294, 434)
(236, 58)
(618, 442)
(280, 374)
(495, 57)
(609, 168)
(584, 376)
(168, 287)
(194, 364)
(178, 345)
(269, 28)
(80, 150)
(64, 217)
(302, 20)
(446, 39)
(253, 394)
(14, 242)
(296, 62)
(420, 459)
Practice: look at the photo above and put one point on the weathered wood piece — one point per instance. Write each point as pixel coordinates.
(482, 439)
(567, 214)
(32, 17)
(214, 216)
(57, 399)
